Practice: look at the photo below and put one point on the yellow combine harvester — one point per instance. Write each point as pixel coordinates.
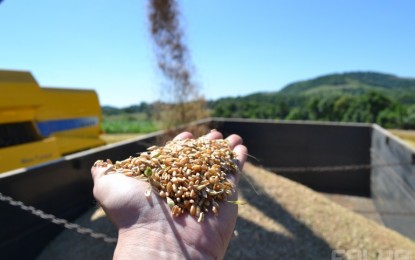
(42, 124)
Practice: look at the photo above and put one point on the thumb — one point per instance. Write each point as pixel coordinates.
(99, 171)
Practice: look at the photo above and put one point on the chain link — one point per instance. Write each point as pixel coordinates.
(56, 220)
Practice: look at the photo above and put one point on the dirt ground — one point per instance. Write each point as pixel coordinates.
(113, 138)
(285, 220)
(406, 135)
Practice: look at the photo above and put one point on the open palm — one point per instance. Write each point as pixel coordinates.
(146, 227)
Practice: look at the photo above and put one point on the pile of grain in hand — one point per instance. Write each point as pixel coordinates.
(190, 174)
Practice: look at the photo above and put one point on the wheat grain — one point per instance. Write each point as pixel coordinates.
(190, 174)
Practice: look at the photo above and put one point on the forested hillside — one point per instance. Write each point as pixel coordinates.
(352, 82)
(349, 97)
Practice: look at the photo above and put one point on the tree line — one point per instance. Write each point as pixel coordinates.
(366, 97)
(370, 107)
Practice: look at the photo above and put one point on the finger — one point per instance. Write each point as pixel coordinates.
(184, 135)
(241, 155)
(214, 135)
(234, 140)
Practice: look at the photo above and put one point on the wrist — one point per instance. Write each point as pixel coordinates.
(145, 243)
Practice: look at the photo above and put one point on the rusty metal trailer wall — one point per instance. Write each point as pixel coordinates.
(393, 188)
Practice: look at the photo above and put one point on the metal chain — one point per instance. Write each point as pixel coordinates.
(56, 220)
(336, 168)
(105, 238)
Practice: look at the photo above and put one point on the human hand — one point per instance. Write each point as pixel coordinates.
(145, 225)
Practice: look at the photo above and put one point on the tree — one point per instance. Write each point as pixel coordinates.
(297, 113)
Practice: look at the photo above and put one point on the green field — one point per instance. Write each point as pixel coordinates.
(127, 123)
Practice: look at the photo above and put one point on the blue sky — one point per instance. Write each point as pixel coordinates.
(237, 47)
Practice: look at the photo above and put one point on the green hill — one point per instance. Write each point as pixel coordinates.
(368, 97)
(353, 83)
